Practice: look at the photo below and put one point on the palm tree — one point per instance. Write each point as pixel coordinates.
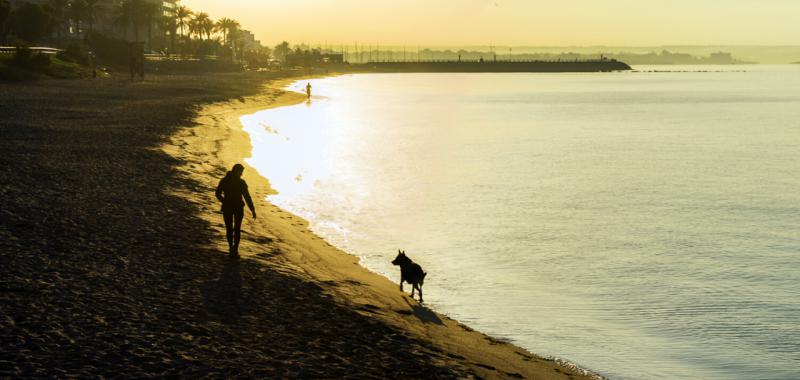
(32, 22)
(58, 11)
(133, 13)
(182, 17)
(226, 26)
(219, 28)
(91, 13)
(204, 24)
(208, 27)
(149, 13)
(195, 28)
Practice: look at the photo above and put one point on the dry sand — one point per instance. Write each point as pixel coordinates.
(113, 264)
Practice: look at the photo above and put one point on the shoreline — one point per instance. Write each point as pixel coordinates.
(217, 141)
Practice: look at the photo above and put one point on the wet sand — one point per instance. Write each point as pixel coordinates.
(113, 260)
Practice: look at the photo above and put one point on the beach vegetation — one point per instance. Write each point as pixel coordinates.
(202, 25)
(91, 9)
(31, 23)
(25, 57)
(182, 16)
(129, 15)
(194, 28)
(281, 50)
(75, 52)
(5, 17)
(57, 11)
(26, 64)
(10, 71)
(84, 28)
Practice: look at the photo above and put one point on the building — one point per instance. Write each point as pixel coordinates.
(104, 17)
(168, 7)
(248, 41)
(108, 22)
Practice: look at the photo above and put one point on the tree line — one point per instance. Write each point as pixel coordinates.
(171, 31)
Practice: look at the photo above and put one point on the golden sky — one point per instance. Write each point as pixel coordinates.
(514, 22)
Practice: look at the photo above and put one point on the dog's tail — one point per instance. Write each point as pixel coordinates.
(422, 280)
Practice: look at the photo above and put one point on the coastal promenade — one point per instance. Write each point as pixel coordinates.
(111, 258)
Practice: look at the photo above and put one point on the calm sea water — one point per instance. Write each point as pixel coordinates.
(643, 225)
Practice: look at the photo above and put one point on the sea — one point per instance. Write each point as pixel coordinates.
(641, 225)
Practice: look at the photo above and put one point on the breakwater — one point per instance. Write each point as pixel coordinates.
(604, 65)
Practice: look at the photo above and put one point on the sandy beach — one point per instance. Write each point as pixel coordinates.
(114, 261)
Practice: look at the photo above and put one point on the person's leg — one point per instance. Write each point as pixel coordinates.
(228, 216)
(237, 227)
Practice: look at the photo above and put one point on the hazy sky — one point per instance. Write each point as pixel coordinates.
(515, 22)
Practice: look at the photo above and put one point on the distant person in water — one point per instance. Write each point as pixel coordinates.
(230, 191)
(308, 89)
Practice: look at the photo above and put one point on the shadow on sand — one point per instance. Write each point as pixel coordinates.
(225, 296)
(424, 314)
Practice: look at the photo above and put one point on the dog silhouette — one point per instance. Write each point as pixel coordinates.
(410, 272)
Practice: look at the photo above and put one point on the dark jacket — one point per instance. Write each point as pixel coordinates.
(231, 190)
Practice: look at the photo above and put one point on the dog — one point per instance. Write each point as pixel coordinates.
(410, 272)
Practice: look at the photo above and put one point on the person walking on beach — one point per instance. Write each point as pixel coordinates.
(230, 191)
(308, 89)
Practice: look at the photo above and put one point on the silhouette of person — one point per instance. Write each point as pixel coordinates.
(230, 191)
(308, 90)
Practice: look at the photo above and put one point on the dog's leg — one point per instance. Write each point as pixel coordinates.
(413, 287)
(420, 293)
(401, 282)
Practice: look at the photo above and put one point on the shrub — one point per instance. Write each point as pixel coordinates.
(26, 58)
(75, 53)
(15, 73)
(22, 56)
(39, 61)
(31, 22)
